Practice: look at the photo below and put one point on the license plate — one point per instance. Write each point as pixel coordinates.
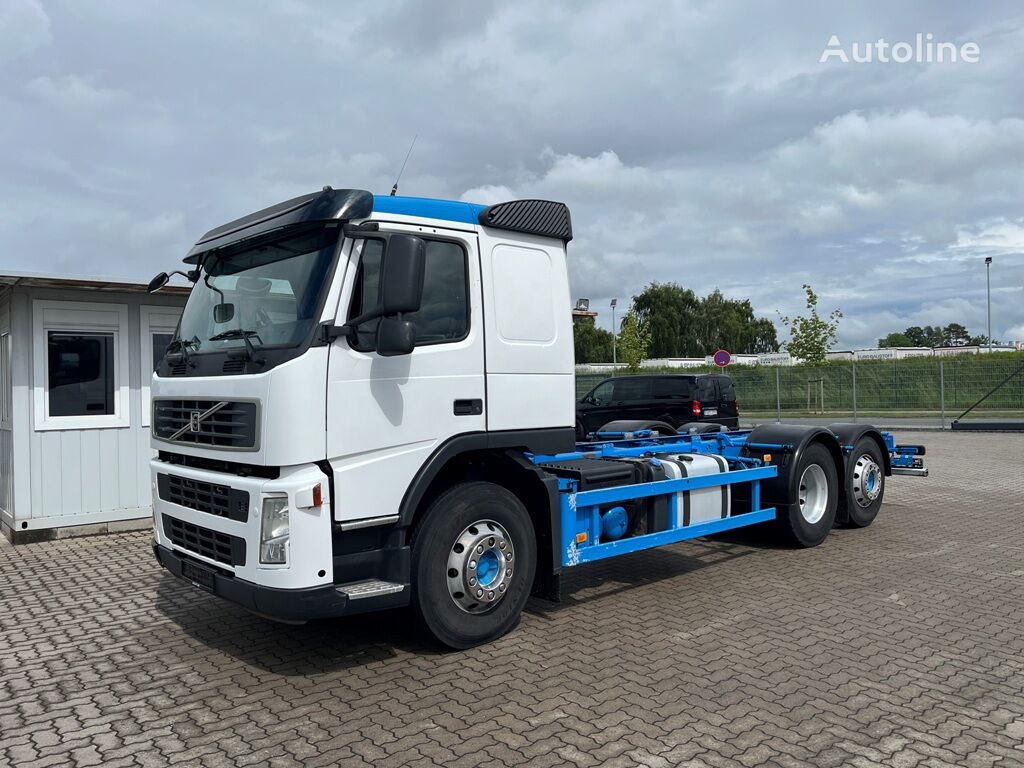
(710, 411)
(199, 576)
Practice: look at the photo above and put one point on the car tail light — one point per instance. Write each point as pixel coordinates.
(736, 403)
(696, 408)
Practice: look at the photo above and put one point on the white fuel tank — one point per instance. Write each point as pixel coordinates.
(703, 504)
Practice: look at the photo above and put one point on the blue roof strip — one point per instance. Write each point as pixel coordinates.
(426, 208)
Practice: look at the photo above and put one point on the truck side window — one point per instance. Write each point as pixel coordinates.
(366, 293)
(443, 316)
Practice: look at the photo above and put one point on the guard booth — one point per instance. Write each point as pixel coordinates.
(76, 359)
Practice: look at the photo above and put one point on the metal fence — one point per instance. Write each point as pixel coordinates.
(935, 389)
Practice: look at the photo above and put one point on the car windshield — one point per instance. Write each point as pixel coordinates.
(267, 295)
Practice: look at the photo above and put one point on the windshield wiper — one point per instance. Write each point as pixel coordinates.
(179, 348)
(244, 335)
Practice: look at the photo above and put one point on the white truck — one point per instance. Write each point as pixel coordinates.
(369, 403)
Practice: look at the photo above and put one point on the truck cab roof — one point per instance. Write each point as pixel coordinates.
(543, 218)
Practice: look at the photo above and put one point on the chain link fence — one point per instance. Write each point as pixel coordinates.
(932, 389)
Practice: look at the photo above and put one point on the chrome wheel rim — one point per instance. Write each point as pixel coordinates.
(867, 480)
(812, 493)
(480, 565)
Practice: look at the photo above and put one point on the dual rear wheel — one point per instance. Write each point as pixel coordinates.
(814, 497)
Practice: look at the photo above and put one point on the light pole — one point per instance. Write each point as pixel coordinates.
(615, 333)
(988, 289)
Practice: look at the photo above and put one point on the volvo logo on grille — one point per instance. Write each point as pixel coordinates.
(195, 420)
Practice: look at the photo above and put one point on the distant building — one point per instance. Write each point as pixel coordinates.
(76, 358)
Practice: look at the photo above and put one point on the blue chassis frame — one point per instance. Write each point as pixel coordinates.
(580, 511)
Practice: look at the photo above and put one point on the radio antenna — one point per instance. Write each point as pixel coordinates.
(394, 189)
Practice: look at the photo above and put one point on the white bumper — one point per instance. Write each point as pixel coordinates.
(309, 551)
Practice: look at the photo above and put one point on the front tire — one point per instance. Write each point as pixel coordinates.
(865, 483)
(474, 555)
(813, 499)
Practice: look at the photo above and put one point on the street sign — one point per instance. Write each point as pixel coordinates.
(722, 358)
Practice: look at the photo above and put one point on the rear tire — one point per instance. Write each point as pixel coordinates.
(814, 499)
(865, 483)
(448, 573)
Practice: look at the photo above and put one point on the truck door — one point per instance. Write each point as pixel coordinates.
(387, 415)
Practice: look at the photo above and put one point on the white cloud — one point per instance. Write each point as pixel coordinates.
(73, 93)
(24, 26)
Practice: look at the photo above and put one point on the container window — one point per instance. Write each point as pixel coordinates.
(80, 374)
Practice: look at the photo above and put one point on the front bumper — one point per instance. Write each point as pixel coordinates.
(288, 605)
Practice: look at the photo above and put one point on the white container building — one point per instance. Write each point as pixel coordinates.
(76, 360)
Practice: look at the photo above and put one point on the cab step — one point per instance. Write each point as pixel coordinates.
(358, 590)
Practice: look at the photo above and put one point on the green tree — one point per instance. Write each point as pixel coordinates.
(670, 312)
(591, 344)
(981, 340)
(955, 335)
(896, 339)
(634, 341)
(811, 337)
(685, 325)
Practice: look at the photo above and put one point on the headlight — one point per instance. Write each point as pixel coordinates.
(274, 531)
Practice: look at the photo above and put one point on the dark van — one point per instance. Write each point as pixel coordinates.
(675, 399)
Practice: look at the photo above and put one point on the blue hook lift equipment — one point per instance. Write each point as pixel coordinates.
(584, 525)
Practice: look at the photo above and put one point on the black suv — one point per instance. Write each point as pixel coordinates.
(672, 398)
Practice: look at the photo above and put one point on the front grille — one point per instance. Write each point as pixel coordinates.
(221, 547)
(212, 498)
(227, 425)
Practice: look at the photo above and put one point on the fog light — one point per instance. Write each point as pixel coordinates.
(274, 532)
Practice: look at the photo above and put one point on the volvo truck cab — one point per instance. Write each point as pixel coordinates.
(342, 359)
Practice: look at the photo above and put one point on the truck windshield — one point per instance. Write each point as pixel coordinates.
(267, 295)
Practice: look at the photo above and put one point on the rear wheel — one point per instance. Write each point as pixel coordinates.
(814, 497)
(473, 559)
(865, 483)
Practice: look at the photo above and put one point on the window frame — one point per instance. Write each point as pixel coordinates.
(153, 319)
(353, 340)
(6, 382)
(71, 317)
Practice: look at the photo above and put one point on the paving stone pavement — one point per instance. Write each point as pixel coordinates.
(899, 645)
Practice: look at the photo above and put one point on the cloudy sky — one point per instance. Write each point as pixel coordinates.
(697, 142)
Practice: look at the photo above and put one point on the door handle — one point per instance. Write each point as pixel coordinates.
(469, 407)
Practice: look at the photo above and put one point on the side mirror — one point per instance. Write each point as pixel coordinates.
(157, 282)
(222, 313)
(395, 337)
(402, 275)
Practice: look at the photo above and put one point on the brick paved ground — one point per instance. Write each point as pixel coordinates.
(899, 645)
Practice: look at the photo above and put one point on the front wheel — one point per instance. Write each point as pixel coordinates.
(814, 497)
(473, 560)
